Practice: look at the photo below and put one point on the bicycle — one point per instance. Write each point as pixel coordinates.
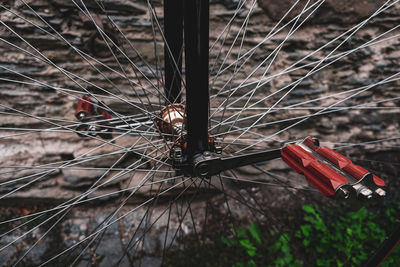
(160, 149)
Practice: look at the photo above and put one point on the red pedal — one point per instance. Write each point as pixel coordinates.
(105, 114)
(84, 108)
(90, 115)
(331, 172)
(319, 175)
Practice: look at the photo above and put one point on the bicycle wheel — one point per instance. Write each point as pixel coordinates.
(101, 189)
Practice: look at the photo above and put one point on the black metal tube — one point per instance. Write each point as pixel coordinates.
(173, 32)
(196, 27)
(385, 249)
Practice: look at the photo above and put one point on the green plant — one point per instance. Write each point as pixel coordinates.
(253, 242)
(282, 249)
(248, 240)
(325, 240)
(345, 241)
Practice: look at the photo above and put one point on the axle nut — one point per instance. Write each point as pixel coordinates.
(202, 169)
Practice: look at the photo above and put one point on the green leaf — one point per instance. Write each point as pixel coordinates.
(323, 262)
(241, 233)
(339, 263)
(229, 242)
(309, 209)
(285, 249)
(298, 234)
(306, 230)
(251, 263)
(349, 231)
(296, 263)
(251, 249)
(255, 232)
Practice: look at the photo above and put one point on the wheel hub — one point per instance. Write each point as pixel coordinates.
(171, 121)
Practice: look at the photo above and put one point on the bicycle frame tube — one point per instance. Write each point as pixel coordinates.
(173, 32)
(196, 30)
(385, 249)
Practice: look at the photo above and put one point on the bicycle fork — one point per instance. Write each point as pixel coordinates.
(195, 152)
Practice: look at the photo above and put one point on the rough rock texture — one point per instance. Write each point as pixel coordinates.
(331, 11)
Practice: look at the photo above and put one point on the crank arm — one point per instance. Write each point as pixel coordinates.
(328, 171)
(209, 164)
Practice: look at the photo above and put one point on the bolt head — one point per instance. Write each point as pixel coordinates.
(206, 153)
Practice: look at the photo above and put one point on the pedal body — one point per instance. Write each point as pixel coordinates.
(94, 119)
(330, 172)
